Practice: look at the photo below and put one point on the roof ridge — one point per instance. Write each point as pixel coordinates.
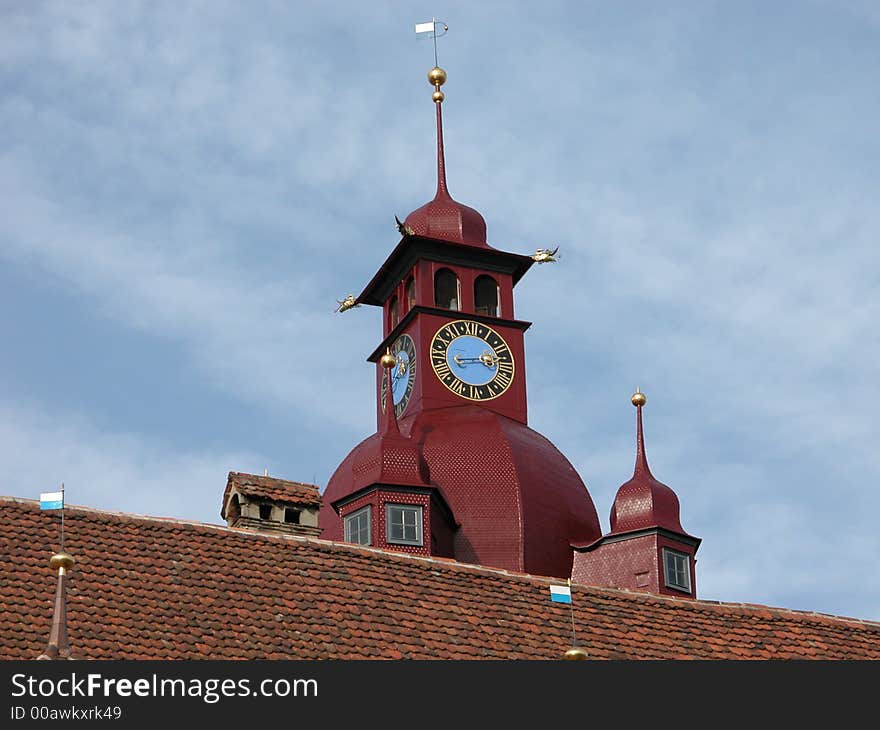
(448, 564)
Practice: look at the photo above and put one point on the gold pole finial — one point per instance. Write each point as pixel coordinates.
(388, 360)
(437, 77)
(638, 398)
(62, 562)
(575, 654)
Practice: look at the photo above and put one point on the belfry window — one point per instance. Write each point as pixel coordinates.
(357, 527)
(403, 524)
(410, 293)
(446, 290)
(486, 296)
(677, 570)
(393, 313)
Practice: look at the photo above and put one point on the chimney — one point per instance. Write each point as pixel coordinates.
(269, 504)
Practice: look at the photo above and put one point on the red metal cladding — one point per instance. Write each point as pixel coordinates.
(517, 498)
(643, 501)
(635, 563)
(443, 217)
(448, 220)
(429, 393)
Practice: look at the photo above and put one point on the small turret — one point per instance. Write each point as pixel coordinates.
(647, 548)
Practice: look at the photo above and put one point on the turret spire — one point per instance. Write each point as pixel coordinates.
(444, 218)
(59, 644)
(437, 77)
(638, 400)
(389, 424)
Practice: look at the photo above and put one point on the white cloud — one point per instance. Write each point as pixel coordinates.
(40, 449)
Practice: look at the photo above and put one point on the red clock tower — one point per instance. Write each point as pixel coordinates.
(454, 469)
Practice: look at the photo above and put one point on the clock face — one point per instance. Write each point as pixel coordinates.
(472, 360)
(403, 375)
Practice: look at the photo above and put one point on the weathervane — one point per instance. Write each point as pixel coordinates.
(431, 27)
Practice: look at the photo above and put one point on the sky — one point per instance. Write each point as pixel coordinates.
(187, 188)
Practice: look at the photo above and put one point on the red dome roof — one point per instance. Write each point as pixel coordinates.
(448, 220)
(643, 502)
(443, 217)
(519, 501)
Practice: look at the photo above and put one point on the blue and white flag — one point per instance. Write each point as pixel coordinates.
(560, 594)
(52, 500)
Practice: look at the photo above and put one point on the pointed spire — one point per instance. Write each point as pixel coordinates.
(638, 400)
(59, 644)
(643, 501)
(443, 218)
(389, 424)
(437, 77)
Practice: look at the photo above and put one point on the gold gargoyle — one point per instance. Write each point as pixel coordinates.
(545, 255)
(348, 303)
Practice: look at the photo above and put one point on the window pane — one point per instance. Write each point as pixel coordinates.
(357, 527)
(404, 524)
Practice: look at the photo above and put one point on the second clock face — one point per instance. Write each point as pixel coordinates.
(472, 360)
(403, 375)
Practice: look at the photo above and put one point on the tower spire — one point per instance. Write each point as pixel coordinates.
(638, 400)
(59, 643)
(437, 77)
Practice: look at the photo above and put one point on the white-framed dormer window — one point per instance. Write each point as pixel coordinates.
(357, 527)
(677, 570)
(403, 524)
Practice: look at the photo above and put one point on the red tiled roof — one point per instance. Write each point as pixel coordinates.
(149, 588)
(278, 490)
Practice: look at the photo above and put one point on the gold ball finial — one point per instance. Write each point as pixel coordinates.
(575, 654)
(438, 96)
(388, 360)
(638, 399)
(62, 560)
(436, 76)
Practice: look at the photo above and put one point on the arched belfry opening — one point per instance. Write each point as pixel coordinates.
(486, 295)
(446, 290)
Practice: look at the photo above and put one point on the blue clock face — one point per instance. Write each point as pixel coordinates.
(403, 375)
(472, 360)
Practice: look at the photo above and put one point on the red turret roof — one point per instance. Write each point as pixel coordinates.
(518, 499)
(643, 502)
(443, 217)
(388, 457)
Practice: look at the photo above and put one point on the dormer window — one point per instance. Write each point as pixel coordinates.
(486, 296)
(403, 524)
(291, 516)
(677, 570)
(265, 511)
(446, 290)
(357, 527)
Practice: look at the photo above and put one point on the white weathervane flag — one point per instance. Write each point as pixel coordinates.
(431, 27)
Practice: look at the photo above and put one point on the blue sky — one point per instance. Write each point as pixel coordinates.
(187, 188)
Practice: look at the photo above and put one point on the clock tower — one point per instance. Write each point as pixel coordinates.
(493, 491)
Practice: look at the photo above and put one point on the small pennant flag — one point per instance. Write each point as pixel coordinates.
(52, 500)
(435, 26)
(560, 594)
